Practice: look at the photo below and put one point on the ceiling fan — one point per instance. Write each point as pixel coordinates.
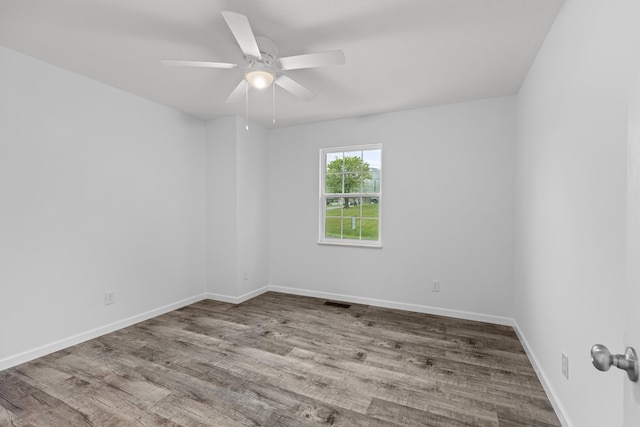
(262, 65)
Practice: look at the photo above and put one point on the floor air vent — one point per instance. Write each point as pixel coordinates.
(337, 304)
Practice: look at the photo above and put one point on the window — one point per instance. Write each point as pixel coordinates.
(351, 195)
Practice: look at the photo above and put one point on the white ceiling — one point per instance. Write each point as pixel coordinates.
(400, 54)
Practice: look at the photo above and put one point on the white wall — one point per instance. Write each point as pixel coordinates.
(237, 196)
(99, 191)
(447, 215)
(252, 208)
(221, 207)
(570, 210)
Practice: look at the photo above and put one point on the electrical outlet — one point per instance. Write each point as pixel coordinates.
(109, 298)
(435, 286)
(245, 275)
(565, 366)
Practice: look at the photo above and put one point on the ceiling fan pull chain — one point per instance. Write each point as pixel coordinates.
(273, 107)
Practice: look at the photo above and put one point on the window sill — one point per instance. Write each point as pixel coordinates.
(373, 245)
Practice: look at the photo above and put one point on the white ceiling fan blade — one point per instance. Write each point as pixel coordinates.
(239, 26)
(295, 88)
(239, 92)
(205, 64)
(312, 60)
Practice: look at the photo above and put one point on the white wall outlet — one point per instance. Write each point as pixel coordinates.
(435, 286)
(565, 366)
(245, 275)
(109, 298)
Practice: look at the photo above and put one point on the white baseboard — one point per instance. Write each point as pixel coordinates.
(548, 388)
(237, 300)
(397, 305)
(43, 350)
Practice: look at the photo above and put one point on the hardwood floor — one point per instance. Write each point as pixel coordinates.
(283, 360)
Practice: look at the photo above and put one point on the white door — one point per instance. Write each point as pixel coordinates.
(632, 294)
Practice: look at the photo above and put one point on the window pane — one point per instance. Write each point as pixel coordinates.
(333, 183)
(351, 228)
(352, 183)
(372, 158)
(356, 155)
(332, 228)
(351, 206)
(371, 181)
(353, 164)
(334, 162)
(370, 229)
(370, 207)
(371, 171)
(334, 207)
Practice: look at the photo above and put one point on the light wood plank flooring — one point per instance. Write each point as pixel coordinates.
(283, 360)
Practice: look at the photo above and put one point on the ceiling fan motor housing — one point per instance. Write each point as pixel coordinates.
(268, 50)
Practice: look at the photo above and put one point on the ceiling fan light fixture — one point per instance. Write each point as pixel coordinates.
(259, 78)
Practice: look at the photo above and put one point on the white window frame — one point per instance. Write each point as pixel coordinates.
(323, 195)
